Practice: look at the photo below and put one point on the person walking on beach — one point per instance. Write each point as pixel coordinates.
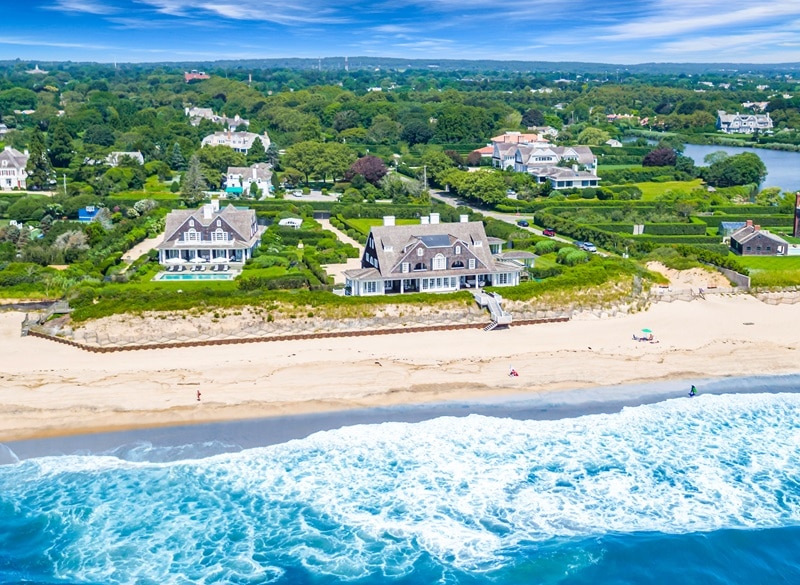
(693, 391)
(198, 396)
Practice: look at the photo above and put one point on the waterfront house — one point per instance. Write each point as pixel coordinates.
(12, 168)
(743, 123)
(429, 257)
(209, 234)
(751, 240)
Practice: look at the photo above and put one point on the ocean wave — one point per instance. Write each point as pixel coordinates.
(459, 494)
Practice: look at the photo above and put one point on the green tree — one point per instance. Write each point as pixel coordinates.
(416, 132)
(176, 159)
(435, 164)
(192, 183)
(305, 157)
(533, 117)
(335, 161)
(99, 134)
(593, 137)
(220, 158)
(60, 150)
(256, 153)
(40, 174)
(741, 169)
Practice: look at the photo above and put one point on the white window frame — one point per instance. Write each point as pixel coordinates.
(192, 235)
(439, 262)
(471, 264)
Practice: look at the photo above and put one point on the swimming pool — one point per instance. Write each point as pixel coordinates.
(195, 276)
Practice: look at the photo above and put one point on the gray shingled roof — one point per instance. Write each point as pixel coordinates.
(15, 158)
(390, 242)
(748, 232)
(240, 221)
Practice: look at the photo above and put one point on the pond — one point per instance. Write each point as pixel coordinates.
(782, 166)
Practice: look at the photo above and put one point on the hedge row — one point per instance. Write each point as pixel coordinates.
(677, 239)
(379, 210)
(762, 220)
(708, 256)
(600, 238)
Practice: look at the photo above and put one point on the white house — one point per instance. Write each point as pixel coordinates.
(565, 178)
(12, 169)
(429, 257)
(114, 158)
(238, 180)
(196, 114)
(743, 123)
(238, 141)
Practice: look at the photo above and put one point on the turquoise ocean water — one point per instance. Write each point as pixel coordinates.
(703, 490)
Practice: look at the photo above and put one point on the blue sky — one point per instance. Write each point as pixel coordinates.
(610, 31)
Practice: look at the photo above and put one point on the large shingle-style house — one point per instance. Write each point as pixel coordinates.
(751, 240)
(210, 234)
(528, 158)
(197, 114)
(565, 178)
(429, 257)
(743, 123)
(238, 141)
(12, 169)
(238, 180)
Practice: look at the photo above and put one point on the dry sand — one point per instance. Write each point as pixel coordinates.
(49, 389)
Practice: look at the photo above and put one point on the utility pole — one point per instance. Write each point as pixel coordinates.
(64, 176)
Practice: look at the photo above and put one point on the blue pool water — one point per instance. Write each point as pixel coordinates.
(703, 490)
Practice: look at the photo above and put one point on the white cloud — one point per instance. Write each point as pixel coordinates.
(84, 6)
(679, 17)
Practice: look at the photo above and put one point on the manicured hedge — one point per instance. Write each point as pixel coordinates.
(674, 229)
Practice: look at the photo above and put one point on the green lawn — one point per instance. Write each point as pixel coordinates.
(770, 262)
(364, 224)
(651, 191)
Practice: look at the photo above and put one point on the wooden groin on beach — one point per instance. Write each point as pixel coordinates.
(35, 331)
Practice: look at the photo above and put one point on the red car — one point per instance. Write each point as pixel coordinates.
(548, 232)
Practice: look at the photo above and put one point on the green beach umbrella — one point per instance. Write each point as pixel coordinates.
(647, 330)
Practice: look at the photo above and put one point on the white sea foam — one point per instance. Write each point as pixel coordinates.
(463, 492)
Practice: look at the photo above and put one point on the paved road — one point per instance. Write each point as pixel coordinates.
(512, 218)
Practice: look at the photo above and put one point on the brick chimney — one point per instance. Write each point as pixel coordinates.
(749, 223)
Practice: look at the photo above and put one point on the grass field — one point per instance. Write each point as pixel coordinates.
(770, 262)
(651, 191)
(364, 224)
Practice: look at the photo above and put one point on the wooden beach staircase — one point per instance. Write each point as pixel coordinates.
(39, 319)
(491, 301)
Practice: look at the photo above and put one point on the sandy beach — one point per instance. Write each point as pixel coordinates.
(49, 389)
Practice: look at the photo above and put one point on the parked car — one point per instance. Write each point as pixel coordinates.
(523, 223)
(548, 232)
